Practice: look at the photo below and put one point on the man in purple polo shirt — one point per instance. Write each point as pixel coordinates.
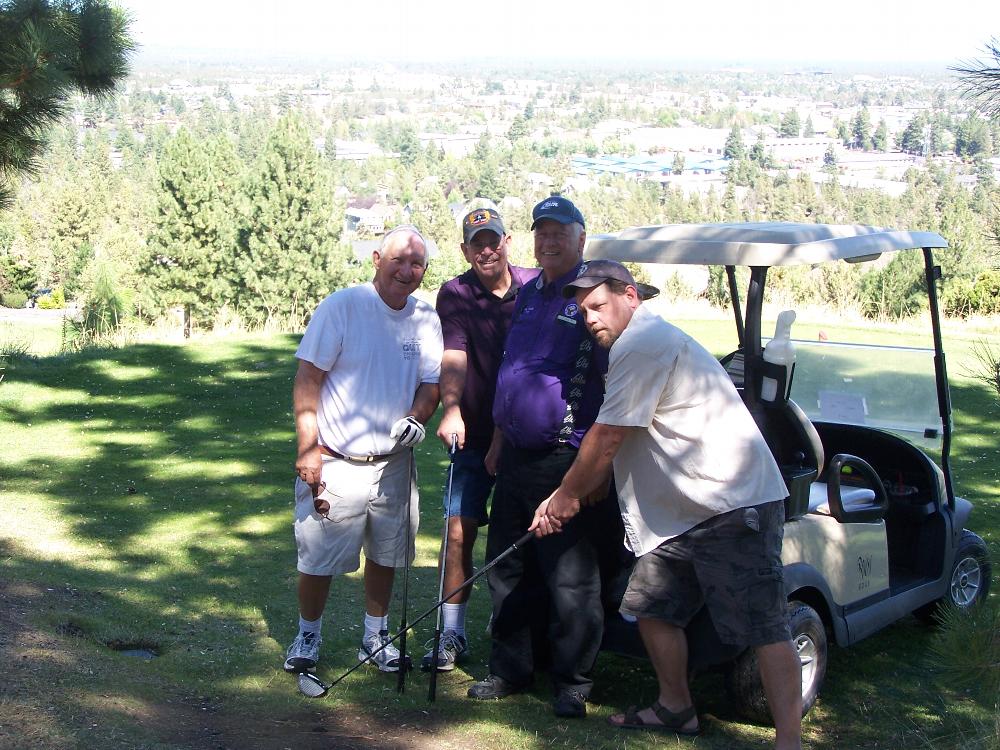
(549, 390)
(475, 310)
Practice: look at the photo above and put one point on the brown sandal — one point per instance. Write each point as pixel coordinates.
(669, 721)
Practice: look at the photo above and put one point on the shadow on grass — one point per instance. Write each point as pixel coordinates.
(168, 471)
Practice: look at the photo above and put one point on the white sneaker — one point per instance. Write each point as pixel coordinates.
(303, 653)
(452, 648)
(386, 659)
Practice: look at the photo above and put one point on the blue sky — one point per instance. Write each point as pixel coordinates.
(733, 31)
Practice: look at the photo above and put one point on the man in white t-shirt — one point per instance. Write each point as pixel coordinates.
(367, 383)
(701, 498)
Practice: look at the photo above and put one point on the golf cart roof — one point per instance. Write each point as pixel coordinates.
(754, 244)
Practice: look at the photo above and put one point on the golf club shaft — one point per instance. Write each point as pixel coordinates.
(436, 651)
(401, 678)
(479, 574)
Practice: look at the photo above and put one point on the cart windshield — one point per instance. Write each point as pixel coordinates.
(886, 387)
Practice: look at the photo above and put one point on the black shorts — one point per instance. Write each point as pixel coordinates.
(730, 563)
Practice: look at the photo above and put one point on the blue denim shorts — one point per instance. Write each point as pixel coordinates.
(470, 488)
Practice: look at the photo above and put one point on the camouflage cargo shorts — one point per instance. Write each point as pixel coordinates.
(730, 563)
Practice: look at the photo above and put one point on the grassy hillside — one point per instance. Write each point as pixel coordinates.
(146, 502)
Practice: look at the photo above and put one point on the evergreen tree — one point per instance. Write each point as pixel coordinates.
(861, 130)
(678, 165)
(791, 124)
(809, 131)
(734, 148)
(911, 140)
(288, 254)
(880, 141)
(981, 81)
(973, 138)
(407, 145)
(830, 160)
(194, 240)
(48, 50)
(430, 214)
(843, 132)
(518, 129)
(757, 154)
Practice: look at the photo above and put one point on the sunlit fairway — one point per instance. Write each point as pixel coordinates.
(145, 502)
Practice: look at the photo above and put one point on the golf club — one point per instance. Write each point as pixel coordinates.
(310, 685)
(435, 653)
(401, 674)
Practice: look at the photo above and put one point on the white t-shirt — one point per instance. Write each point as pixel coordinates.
(375, 358)
(700, 452)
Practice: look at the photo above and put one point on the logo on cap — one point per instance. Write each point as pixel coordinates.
(479, 217)
(582, 271)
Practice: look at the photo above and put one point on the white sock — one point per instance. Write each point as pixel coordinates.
(453, 618)
(374, 624)
(310, 626)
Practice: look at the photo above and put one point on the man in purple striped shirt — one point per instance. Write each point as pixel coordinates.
(475, 310)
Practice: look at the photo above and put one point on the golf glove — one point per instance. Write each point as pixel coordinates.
(408, 432)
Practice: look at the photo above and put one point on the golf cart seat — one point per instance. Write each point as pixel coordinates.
(814, 486)
(859, 502)
(850, 498)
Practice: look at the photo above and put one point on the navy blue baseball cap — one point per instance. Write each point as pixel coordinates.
(557, 208)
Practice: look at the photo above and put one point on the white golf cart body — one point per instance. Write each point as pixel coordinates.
(862, 557)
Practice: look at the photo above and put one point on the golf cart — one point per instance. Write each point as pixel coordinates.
(873, 528)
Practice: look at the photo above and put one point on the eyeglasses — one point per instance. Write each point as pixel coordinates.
(321, 505)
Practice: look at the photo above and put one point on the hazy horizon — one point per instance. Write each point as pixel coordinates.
(725, 33)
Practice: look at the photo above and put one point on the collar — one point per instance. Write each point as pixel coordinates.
(481, 291)
(557, 285)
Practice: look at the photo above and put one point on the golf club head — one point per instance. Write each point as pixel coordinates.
(311, 686)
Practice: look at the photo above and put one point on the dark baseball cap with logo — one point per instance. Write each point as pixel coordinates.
(557, 208)
(479, 219)
(596, 272)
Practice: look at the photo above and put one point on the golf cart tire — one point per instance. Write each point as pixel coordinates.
(746, 692)
(968, 580)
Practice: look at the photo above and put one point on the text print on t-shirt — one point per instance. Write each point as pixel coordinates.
(411, 349)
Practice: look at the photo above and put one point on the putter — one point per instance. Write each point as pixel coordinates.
(311, 686)
(401, 675)
(436, 652)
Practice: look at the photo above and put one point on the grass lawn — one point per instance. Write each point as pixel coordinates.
(146, 503)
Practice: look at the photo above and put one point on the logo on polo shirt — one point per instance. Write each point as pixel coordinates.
(411, 349)
(568, 315)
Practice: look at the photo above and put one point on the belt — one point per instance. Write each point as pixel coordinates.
(355, 459)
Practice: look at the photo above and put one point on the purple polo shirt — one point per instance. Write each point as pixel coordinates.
(476, 321)
(538, 363)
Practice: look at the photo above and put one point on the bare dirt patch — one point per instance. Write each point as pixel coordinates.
(46, 702)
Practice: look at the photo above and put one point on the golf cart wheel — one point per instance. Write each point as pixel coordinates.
(809, 638)
(969, 582)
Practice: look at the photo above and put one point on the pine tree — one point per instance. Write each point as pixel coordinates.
(861, 130)
(288, 254)
(48, 50)
(881, 138)
(981, 81)
(734, 148)
(193, 243)
(791, 125)
(809, 131)
(911, 140)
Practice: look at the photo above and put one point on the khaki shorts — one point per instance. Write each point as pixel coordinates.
(731, 564)
(367, 511)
